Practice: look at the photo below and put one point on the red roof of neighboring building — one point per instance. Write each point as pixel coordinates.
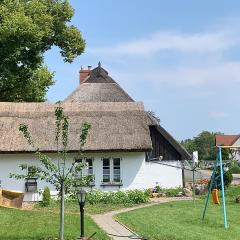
(227, 140)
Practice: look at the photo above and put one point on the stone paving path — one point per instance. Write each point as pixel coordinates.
(112, 227)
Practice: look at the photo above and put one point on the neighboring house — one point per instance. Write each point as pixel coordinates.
(230, 140)
(121, 144)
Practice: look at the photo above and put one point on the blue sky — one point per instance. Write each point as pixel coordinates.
(181, 58)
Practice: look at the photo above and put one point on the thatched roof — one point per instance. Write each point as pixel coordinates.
(99, 87)
(115, 126)
(117, 122)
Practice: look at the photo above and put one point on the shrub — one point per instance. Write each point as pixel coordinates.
(235, 168)
(148, 192)
(158, 189)
(46, 197)
(169, 192)
(227, 178)
(173, 192)
(119, 197)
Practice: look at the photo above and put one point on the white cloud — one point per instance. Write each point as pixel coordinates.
(187, 76)
(218, 114)
(194, 59)
(202, 42)
(226, 72)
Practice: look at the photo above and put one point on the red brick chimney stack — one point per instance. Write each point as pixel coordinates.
(83, 73)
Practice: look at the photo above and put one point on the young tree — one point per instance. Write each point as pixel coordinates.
(64, 177)
(27, 30)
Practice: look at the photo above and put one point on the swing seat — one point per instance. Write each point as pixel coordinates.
(215, 196)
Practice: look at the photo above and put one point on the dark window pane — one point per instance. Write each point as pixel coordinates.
(78, 160)
(116, 161)
(116, 170)
(117, 178)
(106, 162)
(89, 161)
(106, 178)
(106, 170)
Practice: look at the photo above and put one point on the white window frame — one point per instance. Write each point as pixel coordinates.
(104, 169)
(111, 165)
(85, 169)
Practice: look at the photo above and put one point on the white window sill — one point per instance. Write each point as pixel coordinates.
(111, 184)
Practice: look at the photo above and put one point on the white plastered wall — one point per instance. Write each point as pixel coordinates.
(136, 173)
(237, 154)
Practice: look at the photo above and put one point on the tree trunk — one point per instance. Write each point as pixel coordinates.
(61, 232)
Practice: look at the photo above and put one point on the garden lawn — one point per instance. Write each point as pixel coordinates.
(182, 220)
(73, 207)
(44, 225)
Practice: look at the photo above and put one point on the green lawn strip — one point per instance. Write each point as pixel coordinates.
(181, 220)
(73, 207)
(44, 225)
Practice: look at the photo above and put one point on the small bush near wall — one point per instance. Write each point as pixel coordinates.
(235, 168)
(169, 192)
(46, 197)
(119, 197)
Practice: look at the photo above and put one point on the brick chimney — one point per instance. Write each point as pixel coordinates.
(83, 73)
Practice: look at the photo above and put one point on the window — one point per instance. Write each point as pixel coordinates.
(31, 185)
(116, 170)
(79, 174)
(106, 170)
(111, 170)
(88, 168)
(31, 178)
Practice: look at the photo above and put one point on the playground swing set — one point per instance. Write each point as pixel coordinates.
(217, 182)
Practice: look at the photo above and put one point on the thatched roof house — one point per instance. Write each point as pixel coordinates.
(118, 123)
(123, 139)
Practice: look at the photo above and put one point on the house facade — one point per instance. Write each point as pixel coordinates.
(123, 147)
(230, 140)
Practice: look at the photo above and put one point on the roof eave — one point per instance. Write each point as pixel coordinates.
(182, 151)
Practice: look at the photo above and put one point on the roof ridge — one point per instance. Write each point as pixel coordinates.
(236, 138)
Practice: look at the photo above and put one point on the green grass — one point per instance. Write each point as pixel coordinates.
(103, 208)
(181, 220)
(44, 225)
(73, 207)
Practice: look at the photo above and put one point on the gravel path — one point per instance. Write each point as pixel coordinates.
(118, 231)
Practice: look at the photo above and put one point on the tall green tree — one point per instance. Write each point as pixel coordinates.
(65, 173)
(204, 143)
(29, 28)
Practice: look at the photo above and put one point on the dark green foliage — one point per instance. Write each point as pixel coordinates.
(27, 30)
(120, 197)
(204, 143)
(235, 168)
(227, 178)
(169, 192)
(46, 197)
(148, 192)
